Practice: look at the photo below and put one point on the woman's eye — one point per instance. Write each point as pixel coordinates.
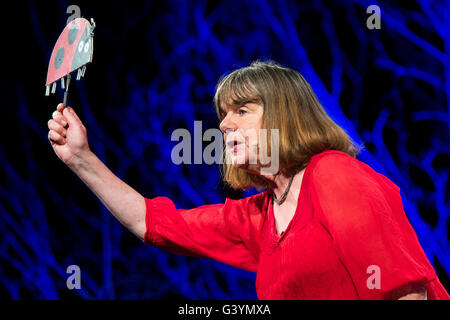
(241, 111)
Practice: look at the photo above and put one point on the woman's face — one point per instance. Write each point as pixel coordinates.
(241, 131)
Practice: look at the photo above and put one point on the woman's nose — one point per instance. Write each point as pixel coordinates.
(227, 124)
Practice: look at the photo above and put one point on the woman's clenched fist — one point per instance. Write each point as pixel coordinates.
(67, 135)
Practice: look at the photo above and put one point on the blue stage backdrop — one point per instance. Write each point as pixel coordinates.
(155, 67)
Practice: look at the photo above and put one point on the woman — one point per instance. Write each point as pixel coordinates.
(328, 226)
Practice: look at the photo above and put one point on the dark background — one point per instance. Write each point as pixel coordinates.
(154, 69)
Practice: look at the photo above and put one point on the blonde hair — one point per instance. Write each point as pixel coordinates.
(290, 105)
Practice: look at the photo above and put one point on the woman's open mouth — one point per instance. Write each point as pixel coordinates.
(233, 145)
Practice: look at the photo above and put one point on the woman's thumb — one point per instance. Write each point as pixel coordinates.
(71, 116)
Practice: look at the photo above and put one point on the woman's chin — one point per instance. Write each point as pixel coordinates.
(242, 161)
(239, 165)
(251, 168)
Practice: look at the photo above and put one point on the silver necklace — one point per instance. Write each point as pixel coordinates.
(285, 193)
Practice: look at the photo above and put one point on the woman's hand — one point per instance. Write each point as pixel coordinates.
(68, 135)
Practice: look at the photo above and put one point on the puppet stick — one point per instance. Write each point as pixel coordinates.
(67, 91)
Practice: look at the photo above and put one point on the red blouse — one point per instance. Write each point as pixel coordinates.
(349, 237)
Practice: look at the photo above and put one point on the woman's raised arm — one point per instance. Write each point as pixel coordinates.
(68, 138)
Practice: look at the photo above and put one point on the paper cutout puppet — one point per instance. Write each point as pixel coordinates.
(72, 51)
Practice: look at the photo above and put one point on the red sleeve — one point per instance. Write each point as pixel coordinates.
(363, 213)
(225, 232)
